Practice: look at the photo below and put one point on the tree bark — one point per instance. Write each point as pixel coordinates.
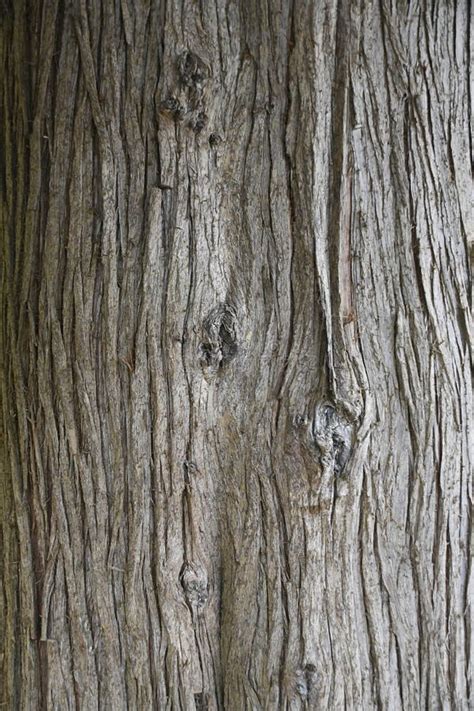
(235, 371)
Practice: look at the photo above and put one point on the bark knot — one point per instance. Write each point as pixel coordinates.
(202, 701)
(193, 72)
(172, 106)
(332, 435)
(219, 343)
(198, 122)
(195, 585)
(304, 680)
(215, 140)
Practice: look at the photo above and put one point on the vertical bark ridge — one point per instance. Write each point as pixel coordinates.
(235, 355)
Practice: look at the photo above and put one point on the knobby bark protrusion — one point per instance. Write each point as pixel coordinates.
(219, 344)
(333, 436)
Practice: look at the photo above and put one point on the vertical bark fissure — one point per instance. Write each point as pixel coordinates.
(234, 354)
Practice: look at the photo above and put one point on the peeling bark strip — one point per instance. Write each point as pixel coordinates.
(235, 382)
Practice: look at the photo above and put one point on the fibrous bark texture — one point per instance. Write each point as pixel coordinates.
(235, 466)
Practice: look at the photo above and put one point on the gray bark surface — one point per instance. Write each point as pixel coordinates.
(234, 352)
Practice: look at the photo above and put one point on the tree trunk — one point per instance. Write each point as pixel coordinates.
(235, 355)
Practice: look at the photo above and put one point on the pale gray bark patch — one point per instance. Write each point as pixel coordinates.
(236, 406)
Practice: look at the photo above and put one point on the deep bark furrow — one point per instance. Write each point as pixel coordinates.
(234, 351)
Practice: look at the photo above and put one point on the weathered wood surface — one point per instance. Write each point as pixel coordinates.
(235, 355)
